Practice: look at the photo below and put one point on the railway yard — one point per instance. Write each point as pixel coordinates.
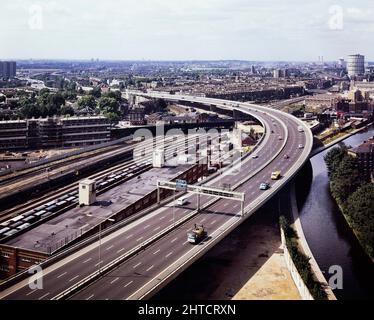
(38, 227)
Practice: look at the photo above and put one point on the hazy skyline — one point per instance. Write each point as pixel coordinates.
(186, 30)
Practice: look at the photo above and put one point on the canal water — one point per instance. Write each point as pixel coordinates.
(330, 238)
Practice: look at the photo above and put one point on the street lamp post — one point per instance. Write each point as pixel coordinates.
(174, 209)
(101, 221)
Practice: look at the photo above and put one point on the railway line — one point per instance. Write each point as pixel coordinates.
(24, 217)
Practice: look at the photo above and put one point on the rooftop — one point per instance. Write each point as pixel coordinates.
(52, 234)
(366, 147)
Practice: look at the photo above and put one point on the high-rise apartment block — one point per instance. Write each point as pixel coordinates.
(8, 69)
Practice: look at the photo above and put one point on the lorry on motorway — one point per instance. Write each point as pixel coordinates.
(196, 235)
(275, 175)
(300, 129)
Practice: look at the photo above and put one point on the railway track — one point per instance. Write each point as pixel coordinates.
(67, 197)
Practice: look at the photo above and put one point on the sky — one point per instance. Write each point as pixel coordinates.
(255, 30)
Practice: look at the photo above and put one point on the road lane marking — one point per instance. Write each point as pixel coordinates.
(85, 261)
(202, 220)
(90, 297)
(213, 222)
(137, 240)
(72, 279)
(157, 251)
(31, 292)
(43, 296)
(175, 239)
(169, 254)
(126, 285)
(185, 242)
(109, 247)
(130, 236)
(97, 264)
(120, 250)
(155, 229)
(147, 226)
(61, 275)
(150, 268)
(137, 265)
(162, 218)
(115, 280)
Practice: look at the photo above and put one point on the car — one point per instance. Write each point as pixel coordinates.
(255, 156)
(286, 156)
(301, 146)
(275, 175)
(280, 138)
(264, 186)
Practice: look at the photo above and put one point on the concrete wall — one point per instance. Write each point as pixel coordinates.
(301, 287)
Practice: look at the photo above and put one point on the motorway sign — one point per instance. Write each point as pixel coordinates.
(181, 185)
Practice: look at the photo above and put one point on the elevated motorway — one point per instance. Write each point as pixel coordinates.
(153, 250)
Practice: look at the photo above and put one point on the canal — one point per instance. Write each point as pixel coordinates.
(329, 237)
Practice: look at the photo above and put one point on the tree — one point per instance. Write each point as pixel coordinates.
(345, 178)
(44, 91)
(96, 92)
(359, 209)
(113, 117)
(334, 157)
(87, 102)
(160, 105)
(113, 94)
(29, 108)
(108, 105)
(67, 110)
(69, 95)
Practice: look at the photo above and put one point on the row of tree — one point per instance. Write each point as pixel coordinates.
(354, 195)
(46, 104)
(301, 261)
(49, 104)
(107, 104)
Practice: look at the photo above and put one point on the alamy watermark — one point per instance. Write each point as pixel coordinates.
(336, 18)
(36, 17)
(36, 280)
(212, 147)
(335, 280)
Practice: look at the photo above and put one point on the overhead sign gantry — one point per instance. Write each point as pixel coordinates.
(181, 185)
